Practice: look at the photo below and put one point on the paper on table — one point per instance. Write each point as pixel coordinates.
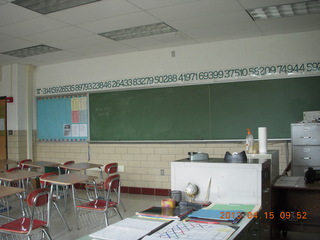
(129, 229)
(192, 231)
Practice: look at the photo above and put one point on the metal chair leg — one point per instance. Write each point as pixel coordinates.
(63, 219)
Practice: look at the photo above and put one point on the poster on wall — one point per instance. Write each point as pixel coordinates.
(62, 118)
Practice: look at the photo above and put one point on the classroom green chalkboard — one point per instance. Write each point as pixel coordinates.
(203, 112)
(152, 114)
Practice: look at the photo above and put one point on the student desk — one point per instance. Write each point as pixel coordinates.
(6, 191)
(19, 175)
(68, 180)
(41, 164)
(294, 195)
(6, 162)
(82, 167)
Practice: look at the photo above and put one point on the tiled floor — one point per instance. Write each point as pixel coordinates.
(133, 202)
(89, 222)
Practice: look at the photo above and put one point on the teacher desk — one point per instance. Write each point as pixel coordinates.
(298, 204)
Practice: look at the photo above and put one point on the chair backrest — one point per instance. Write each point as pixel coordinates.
(13, 169)
(112, 184)
(24, 161)
(38, 197)
(68, 163)
(43, 184)
(111, 168)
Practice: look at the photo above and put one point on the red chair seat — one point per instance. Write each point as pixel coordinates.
(97, 205)
(21, 225)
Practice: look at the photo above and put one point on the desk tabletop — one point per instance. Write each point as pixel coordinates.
(296, 182)
(68, 179)
(18, 175)
(40, 164)
(7, 161)
(81, 166)
(6, 191)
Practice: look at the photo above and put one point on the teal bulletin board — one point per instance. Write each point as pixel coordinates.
(203, 112)
(62, 118)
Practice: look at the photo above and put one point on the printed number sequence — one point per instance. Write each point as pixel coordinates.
(301, 68)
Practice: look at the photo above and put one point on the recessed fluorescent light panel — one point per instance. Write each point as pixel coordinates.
(140, 31)
(285, 10)
(31, 51)
(50, 6)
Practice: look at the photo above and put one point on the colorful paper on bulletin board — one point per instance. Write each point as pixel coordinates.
(75, 117)
(56, 116)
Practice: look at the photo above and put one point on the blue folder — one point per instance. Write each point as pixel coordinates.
(219, 215)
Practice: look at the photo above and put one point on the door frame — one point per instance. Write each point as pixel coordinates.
(3, 102)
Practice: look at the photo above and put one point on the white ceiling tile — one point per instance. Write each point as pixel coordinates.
(171, 37)
(286, 25)
(31, 26)
(241, 30)
(105, 48)
(209, 21)
(120, 22)
(13, 44)
(149, 4)
(59, 34)
(145, 43)
(10, 13)
(80, 42)
(4, 37)
(100, 10)
(195, 9)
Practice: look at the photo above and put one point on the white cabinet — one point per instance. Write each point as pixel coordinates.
(231, 183)
(273, 155)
